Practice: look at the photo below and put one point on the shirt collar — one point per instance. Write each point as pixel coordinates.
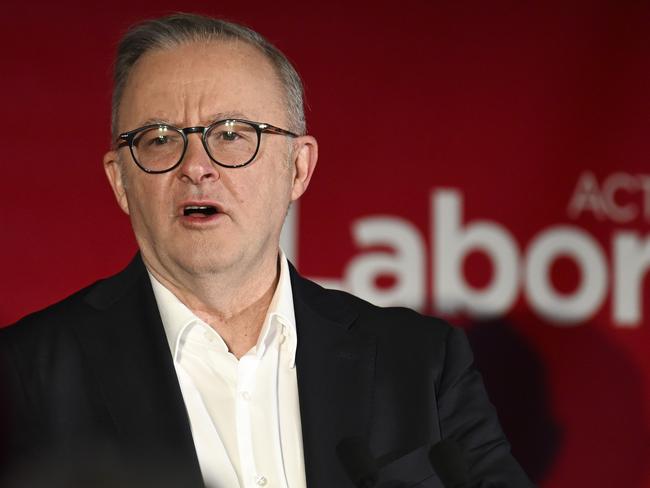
(280, 317)
(175, 316)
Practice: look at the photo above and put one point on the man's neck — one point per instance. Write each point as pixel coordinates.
(235, 306)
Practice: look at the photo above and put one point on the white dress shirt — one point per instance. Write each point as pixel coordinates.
(244, 414)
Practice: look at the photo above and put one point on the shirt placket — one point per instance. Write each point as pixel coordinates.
(246, 375)
(275, 355)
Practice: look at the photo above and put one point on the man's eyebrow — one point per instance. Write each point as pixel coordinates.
(211, 119)
(226, 115)
(156, 121)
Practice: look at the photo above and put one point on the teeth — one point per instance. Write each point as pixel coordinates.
(205, 210)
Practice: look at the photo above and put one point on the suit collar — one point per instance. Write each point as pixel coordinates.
(335, 368)
(106, 293)
(128, 352)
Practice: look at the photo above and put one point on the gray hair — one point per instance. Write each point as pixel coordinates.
(174, 30)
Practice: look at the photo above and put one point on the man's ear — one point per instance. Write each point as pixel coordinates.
(305, 157)
(114, 171)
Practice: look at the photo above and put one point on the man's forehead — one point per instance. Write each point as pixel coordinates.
(206, 58)
(205, 74)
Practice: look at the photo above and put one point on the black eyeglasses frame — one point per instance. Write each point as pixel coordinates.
(127, 138)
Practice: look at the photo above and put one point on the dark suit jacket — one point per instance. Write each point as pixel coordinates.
(94, 374)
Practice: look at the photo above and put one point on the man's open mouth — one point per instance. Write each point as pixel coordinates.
(199, 210)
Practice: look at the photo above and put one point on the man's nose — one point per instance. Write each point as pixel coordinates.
(196, 165)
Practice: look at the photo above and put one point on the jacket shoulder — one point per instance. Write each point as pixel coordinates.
(396, 325)
(53, 316)
(78, 307)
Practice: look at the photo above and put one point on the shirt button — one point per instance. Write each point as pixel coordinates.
(247, 396)
(261, 480)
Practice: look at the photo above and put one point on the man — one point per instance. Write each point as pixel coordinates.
(209, 359)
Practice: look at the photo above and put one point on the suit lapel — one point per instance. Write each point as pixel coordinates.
(127, 349)
(335, 368)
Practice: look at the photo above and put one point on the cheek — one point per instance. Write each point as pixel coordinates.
(277, 200)
(275, 188)
(261, 203)
(266, 185)
(146, 200)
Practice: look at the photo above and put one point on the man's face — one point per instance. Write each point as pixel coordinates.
(194, 85)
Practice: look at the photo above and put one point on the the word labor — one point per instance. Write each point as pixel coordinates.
(514, 270)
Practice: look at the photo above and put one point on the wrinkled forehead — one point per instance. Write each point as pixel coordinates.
(190, 82)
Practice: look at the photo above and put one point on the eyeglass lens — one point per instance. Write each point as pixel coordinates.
(231, 143)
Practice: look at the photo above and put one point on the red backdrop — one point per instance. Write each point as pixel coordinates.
(486, 161)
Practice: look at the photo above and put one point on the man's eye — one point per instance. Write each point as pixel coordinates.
(159, 141)
(229, 135)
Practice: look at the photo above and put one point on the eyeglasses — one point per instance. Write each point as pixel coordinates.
(231, 143)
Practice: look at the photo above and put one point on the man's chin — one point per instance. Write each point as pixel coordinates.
(199, 262)
(205, 256)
